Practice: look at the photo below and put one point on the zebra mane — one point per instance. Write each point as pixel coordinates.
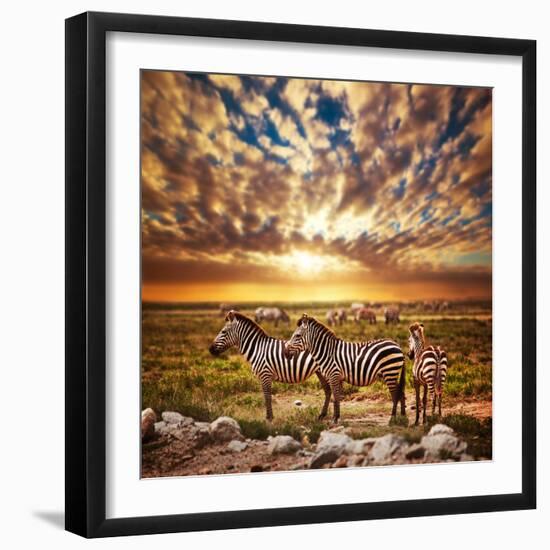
(249, 322)
(323, 327)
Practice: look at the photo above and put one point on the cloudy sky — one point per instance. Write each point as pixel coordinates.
(298, 189)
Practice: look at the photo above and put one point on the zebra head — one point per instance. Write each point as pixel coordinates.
(299, 341)
(416, 338)
(228, 335)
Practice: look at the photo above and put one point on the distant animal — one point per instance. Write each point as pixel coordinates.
(359, 363)
(275, 314)
(336, 317)
(392, 315)
(226, 308)
(355, 306)
(267, 357)
(365, 314)
(429, 369)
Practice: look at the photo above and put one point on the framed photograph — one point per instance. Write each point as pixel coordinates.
(300, 281)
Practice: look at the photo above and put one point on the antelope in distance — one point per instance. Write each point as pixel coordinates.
(267, 357)
(392, 315)
(429, 369)
(336, 317)
(358, 363)
(366, 314)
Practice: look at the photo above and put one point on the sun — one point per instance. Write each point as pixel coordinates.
(305, 262)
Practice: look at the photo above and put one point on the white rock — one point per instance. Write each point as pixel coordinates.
(386, 447)
(333, 441)
(283, 444)
(360, 446)
(237, 446)
(225, 428)
(148, 419)
(160, 425)
(202, 425)
(443, 445)
(441, 429)
(176, 418)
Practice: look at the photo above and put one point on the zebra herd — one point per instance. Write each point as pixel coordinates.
(315, 349)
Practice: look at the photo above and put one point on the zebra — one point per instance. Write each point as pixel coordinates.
(274, 314)
(392, 315)
(267, 358)
(367, 314)
(359, 363)
(429, 369)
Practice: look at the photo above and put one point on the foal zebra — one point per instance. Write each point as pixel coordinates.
(359, 364)
(429, 369)
(267, 358)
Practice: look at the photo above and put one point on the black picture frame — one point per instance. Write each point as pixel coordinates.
(86, 274)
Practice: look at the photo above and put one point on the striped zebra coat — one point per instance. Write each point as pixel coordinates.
(429, 370)
(267, 357)
(359, 364)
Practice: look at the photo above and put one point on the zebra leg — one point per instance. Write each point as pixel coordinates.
(326, 388)
(434, 403)
(417, 393)
(395, 399)
(336, 387)
(266, 388)
(424, 403)
(440, 404)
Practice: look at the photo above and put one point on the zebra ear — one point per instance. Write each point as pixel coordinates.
(230, 316)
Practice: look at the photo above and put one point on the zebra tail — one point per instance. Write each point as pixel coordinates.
(437, 374)
(402, 381)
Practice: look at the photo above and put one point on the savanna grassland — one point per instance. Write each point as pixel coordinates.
(179, 374)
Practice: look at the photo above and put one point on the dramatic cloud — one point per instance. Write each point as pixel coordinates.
(254, 185)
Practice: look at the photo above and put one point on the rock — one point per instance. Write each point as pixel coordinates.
(342, 462)
(330, 447)
(321, 458)
(201, 435)
(237, 446)
(415, 451)
(169, 429)
(356, 460)
(441, 429)
(148, 419)
(333, 441)
(441, 443)
(304, 453)
(225, 428)
(257, 468)
(283, 444)
(386, 447)
(176, 418)
(159, 426)
(360, 446)
(201, 425)
(336, 429)
(298, 403)
(204, 471)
